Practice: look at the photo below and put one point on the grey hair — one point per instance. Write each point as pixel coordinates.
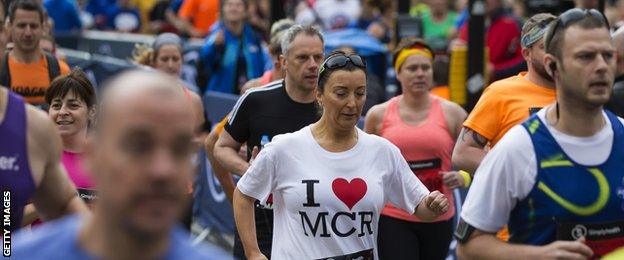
(293, 31)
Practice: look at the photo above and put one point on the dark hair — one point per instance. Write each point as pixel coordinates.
(557, 30)
(76, 81)
(349, 66)
(410, 42)
(28, 5)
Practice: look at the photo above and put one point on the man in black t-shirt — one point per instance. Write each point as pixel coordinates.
(277, 108)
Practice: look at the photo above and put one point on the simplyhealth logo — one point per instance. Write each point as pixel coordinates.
(8, 163)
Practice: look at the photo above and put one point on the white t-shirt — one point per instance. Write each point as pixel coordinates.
(507, 173)
(334, 14)
(327, 204)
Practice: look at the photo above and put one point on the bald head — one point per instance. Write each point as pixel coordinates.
(140, 155)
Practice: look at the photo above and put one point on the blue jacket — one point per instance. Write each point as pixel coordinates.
(65, 15)
(220, 62)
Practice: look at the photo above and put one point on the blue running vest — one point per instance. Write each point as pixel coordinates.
(16, 181)
(566, 191)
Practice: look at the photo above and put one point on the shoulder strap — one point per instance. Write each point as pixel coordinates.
(54, 68)
(5, 75)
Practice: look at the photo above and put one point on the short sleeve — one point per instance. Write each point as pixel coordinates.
(485, 117)
(187, 9)
(259, 180)
(238, 124)
(506, 175)
(404, 189)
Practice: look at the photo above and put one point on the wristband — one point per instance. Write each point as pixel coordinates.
(467, 178)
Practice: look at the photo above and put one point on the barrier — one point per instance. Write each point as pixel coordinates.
(211, 209)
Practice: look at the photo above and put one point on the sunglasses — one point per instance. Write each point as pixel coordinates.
(340, 60)
(571, 16)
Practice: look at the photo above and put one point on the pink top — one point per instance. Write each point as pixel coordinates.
(427, 147)
(266, 77)
(73, 164)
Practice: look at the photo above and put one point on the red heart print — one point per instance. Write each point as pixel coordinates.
(350, 193)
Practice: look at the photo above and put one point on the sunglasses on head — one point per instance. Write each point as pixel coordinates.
(340, 60)
(571, 16)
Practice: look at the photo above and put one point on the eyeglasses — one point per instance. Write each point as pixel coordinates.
(571, 16)
(340, 60)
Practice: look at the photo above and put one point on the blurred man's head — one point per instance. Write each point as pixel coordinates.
(26, 25)
(532, 41)
(140, 152)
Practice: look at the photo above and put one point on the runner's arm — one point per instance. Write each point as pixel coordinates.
(373, 119)
(226, 153)
(56, 195)
(245, 223)
(483, 245)
(432, 206)
(221, 173)
(469, 150)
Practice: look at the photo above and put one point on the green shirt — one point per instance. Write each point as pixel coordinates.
(436, 34)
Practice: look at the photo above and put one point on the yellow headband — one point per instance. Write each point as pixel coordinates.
(409, 52)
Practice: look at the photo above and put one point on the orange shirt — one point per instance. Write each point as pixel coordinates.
(31, 80)
(202, 13)
(219, 127)
(506, 103)
(442, 91)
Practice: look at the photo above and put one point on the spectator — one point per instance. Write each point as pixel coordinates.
(373, 21)
(162, 18)
(28, 70)
(98, 9)
(259, 15)
(233, 53)
(144, 7)
(275, 50)
(438, 23)
(329, 14)
(65, 15)
(197, 16)
(123, 17)
(503, 41)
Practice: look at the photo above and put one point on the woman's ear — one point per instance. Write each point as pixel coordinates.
(91, 115)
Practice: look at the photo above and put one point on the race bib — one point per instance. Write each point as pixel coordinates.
(87, 195)
(427, 172)
(601, 237)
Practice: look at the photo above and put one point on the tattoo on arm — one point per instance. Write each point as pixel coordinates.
(476, 137)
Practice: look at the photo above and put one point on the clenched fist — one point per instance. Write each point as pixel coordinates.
(436, 202)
